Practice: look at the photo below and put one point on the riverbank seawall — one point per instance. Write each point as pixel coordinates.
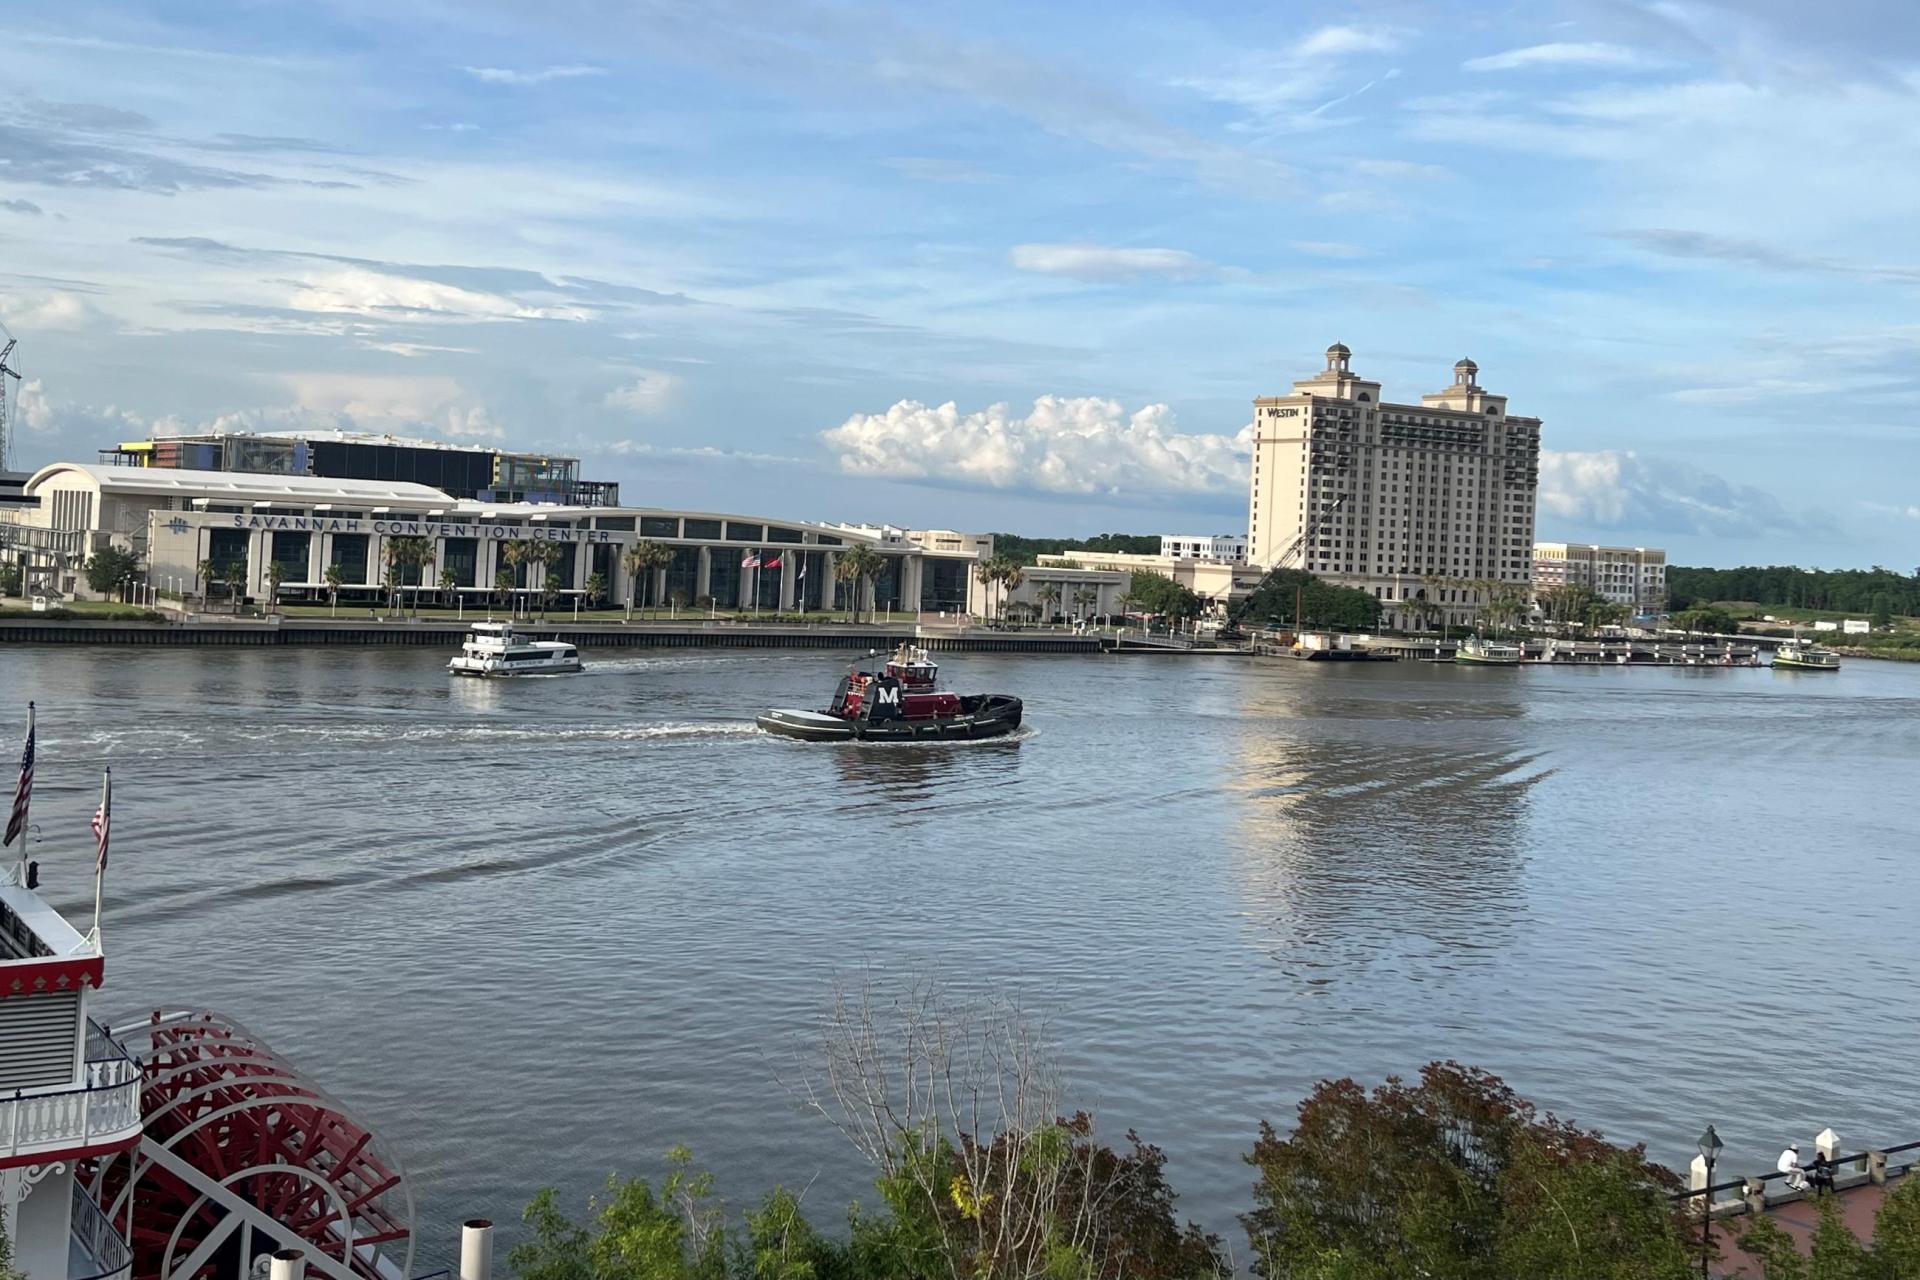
(447, 635)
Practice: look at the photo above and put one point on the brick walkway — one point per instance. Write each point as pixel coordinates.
(1799, 1218)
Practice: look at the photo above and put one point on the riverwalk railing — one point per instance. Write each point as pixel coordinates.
(1757, 1193)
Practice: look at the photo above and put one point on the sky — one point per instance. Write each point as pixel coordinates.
(990, 266)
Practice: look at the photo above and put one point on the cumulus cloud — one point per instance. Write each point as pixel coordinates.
(1560, 54)
(358, 291)
(1103, 264)
(541, 75)
(1072, 445)
(1619, 489)
(649, 393)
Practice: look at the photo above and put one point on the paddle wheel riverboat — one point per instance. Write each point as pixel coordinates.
(901, 702)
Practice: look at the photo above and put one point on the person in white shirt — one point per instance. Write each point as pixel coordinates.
(1790, 1165)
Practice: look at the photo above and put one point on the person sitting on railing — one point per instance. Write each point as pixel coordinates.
(1789, 1164)
(1820, 1172)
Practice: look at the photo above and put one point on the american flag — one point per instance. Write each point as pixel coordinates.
(22, 794)
(102, 820)
(751, 560)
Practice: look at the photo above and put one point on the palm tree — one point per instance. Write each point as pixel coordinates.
(276, 573)
(204, 574)
(1048, 595)
(1011, 576)
(546, 555)
(596, 588)
(1125, 601)
(859, 565)
(515, 555)
(988, 573)
(450, 586)
(236, 579)
(654, 556)
(1082, 598)
(333, 578)
(633, 562)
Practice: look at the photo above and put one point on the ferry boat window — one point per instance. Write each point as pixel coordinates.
(740, 532)
(665, 526)
(702, 529)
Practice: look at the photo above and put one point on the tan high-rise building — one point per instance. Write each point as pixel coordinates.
(1416, 502)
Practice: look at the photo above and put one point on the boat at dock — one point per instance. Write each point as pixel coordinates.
(1487, 653)
(1803, 655)
(901, 702)
(492, 649)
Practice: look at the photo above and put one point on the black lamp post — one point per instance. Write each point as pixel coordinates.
(1710, 1148)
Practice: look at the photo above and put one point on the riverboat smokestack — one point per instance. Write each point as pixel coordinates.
(288, 1264)
(476, 1250)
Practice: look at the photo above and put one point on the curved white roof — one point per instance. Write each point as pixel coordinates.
(237, 485)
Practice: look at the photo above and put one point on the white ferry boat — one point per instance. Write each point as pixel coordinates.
(1491, 653)
(491, 649)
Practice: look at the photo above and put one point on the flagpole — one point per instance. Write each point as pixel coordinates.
(105, 827)
(24, 799)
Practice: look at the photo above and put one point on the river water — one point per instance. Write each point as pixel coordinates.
(537, 931)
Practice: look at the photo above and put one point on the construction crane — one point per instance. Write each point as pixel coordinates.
(6, 371)
(1279, 564)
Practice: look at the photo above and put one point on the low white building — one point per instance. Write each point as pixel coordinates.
(1228, 547)
(257, 530)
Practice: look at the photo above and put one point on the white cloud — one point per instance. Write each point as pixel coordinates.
(649, 393)
(508, 75)
(30, 312)
(1101, 263)
(1561, 55)
(358, 291)
(1334, 42)
(1329, 249)
(1619, 489)
(1082, 445)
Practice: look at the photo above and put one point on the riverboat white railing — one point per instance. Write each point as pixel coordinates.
(98, 1240)
(104, 1105)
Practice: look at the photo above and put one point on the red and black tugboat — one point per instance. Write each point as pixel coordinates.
(899, 703)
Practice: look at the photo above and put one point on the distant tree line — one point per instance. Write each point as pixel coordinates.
(979, 1174)
(1862, 591)
(1027, 551)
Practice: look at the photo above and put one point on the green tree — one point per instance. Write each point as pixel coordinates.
(1047, 595)
(7, 1269)
(236, 583)
(514, 556)
(858, 565)
(1162, 597)
(596, 590)
(1836, 1253)
(1320, 603)
(204, 575)
(1896, 1230)
(1084, 598)
(333, 577)
(1706, 619)
(633, 562)
(1772, 1249)
(1456, 1178)
(546, 555)
(449, 587)
(108, 570)
(9, 579)
(276, 574)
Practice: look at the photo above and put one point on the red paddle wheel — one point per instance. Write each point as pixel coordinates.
(243, 1155)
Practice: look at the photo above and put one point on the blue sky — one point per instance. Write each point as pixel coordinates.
(994, 266)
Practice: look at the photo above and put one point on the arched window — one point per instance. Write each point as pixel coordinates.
(1363, 396)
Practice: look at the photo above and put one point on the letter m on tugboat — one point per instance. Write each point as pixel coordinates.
(901, 702)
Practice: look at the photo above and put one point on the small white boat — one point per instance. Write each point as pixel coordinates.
(1490, 653)
(491, 649)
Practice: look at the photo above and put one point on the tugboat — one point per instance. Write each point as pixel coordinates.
(1802, 655)
(490, 649)
(1489, 653)
(899, 703)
